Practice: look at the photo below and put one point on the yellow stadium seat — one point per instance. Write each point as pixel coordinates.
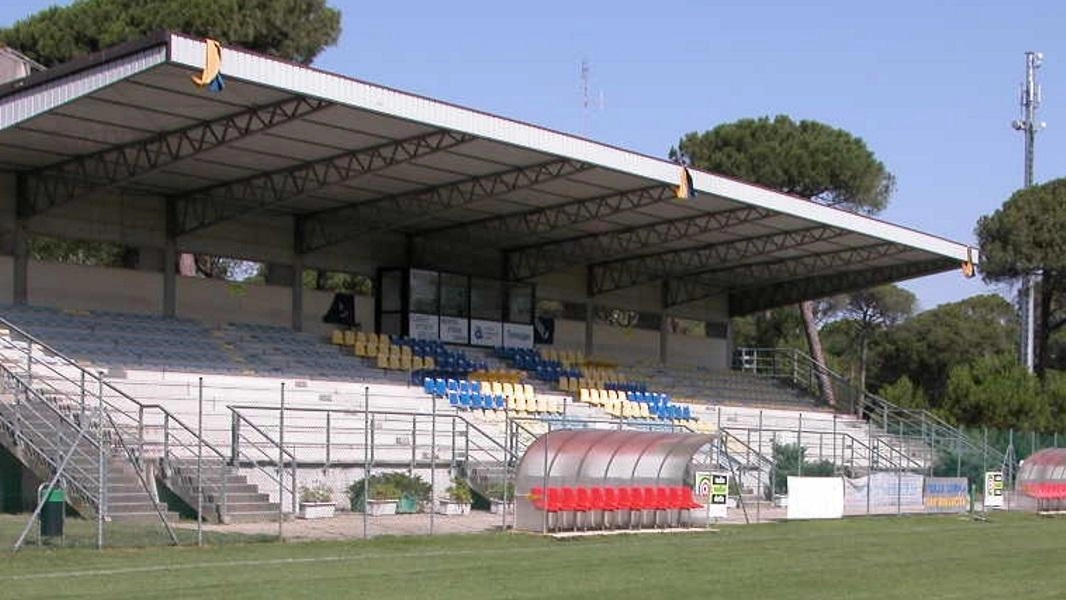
(394, 362)
(585, 396)
(519, 404)
(416, 363)
(644, 412)
(497, 388)
(337, 338)
(508, 389)
(360, 349)
(383, 361)
(542, 405)
(405, 362)
(383, 338)
(360, 336)
(349, 337)
(528, 390)
(395, 351)
(405, 351)
(429, 363)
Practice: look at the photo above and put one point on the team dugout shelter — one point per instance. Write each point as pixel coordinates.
(173, 144)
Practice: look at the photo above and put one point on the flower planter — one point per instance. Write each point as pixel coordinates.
(450, 507)
(317, 510)
(381, 508)
(496, 506)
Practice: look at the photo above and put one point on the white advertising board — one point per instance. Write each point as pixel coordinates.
(486, 333)
(517, 336)
(455, 330)
(815, 498)
(423, 327)
(885, 492)
(994, 489)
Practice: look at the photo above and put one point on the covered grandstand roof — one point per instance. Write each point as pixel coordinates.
(348, 159)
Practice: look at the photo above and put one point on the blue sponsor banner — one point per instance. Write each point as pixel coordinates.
(947, 494)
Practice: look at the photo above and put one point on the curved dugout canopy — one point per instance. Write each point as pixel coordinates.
(355, 167)
(602, 457)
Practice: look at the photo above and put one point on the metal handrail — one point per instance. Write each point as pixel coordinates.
(872, 405)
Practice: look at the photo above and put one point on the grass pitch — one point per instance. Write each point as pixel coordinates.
(910, 557)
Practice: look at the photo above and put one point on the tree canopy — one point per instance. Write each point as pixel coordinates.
(1027, 235)
(805, 158)
(291, 29)
(927, 346)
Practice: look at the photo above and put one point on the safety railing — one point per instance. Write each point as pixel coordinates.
(71, 391)
(894, 425)
(251, 446)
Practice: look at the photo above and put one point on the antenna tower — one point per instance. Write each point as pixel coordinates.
(1029, 126)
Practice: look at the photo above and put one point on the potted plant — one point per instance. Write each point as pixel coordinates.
(497, 493)
(390, 493)
(316, 501)
(458, 499)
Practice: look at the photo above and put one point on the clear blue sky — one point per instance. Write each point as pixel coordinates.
(931, 87)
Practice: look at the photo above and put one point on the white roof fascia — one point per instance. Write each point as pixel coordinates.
(22, 106)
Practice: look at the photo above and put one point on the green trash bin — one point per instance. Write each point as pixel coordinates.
(53, 513)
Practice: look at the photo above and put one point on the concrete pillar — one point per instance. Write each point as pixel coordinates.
(297, 283)
(20, 272)
(170, 277)
(664, 338)
(664, 324)
(590, 322)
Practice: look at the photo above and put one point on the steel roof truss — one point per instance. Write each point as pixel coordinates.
(212, 205)
(764, 297)
(705, 284)
(403, 210)
(59, 184)
(544, 258)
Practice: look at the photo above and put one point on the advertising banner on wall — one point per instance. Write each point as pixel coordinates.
(455, 330)
(486, 333)
(517, 336)
(994, 489)
(815, 497)
(947, 494)
(423, 327)
(884, 492)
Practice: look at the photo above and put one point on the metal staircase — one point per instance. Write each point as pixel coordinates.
(45, 400)
(899, 438)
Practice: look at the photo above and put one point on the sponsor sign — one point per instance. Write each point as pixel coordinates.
(486, 333)
(712, 489)
(994, 489)
(885, 492)
(947, 494)
(423, 327)
(455, 330)
(517, 336)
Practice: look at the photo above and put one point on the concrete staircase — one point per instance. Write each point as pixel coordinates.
(227, 495)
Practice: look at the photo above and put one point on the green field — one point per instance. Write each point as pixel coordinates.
(912, 557)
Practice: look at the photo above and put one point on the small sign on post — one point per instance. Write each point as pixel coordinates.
(994, 489)
(713, 489)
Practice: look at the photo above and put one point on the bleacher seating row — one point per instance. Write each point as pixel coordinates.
(608, 500)
(528, 359)
(490, 395)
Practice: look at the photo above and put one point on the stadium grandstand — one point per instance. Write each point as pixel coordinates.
(469, 225)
